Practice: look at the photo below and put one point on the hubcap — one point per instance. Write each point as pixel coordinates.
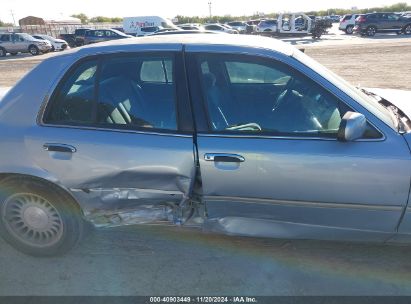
(408, 29)
(33, 51)
(32, 220)
(371, 31)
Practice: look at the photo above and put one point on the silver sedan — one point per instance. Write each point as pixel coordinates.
(237, 135)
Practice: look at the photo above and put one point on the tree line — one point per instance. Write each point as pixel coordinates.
(398, 7)
(4, 24)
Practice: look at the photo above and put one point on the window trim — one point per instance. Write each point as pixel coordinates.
(209, 132)
(181, 97)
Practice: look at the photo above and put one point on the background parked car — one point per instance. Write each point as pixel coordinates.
(94, 36)
(191, 27)
(14, 43)
(239, 26)
(269, 25)
(185, 32)
(148, 30)
(219, 28)
(335, 18)
(75, 39)
(347, 23)
(370, 24)
(56, 44)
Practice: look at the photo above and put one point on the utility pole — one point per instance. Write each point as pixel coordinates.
(209, 8)
(12, 15)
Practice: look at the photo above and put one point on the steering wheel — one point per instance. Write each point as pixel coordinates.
(281, 99)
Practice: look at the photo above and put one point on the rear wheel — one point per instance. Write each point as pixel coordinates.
(407, 29)
(34, 50)
(38, 218)
(349, 29)
(2, 52)
(371, 31)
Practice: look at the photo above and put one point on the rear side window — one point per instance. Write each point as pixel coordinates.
(5, 38)
(73, 102)
(127, 100)
(126, 92)
(347, 17)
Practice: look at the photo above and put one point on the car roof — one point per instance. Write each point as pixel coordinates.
(186, 32)
(176, 42)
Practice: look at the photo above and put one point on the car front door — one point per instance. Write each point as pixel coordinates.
(394, 21)
(114, 141)
(389, 22)
(270, 161)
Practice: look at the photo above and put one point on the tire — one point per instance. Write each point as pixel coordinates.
(349, 29)
(38, 218)
(371, 31)
(34, 50)
(407, 29)
(2, 52)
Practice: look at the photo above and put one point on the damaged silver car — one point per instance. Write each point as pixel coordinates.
(242, 135)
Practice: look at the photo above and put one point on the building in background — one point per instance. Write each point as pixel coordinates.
(52, 26)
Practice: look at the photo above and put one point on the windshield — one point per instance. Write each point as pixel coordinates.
(168, 24)
(118, 32)
(366, 101)
(48, 37)
(26, 36)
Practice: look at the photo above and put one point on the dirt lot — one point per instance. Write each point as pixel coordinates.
(382, 63)
(385, 65)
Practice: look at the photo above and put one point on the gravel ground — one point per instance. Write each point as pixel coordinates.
(385, 65)
(173, 261)
(381, 62)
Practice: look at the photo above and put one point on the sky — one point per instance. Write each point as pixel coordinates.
(170, 8)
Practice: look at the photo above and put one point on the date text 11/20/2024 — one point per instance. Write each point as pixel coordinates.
(207, 299)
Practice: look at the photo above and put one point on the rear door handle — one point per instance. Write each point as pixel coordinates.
(59, 148)
(224, 157)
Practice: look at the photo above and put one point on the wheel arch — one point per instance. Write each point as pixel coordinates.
(406, 25)
(47, 180)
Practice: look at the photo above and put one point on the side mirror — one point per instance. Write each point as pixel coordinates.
(352, 127)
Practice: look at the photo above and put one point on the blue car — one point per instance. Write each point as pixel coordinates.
(101, 35)
(232, 134)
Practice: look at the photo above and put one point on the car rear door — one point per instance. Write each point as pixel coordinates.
(272, 166)
(113, 142)
(5, 42)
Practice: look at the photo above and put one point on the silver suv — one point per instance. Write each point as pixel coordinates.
(14, 43)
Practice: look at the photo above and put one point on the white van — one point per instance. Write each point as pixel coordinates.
(135, 25)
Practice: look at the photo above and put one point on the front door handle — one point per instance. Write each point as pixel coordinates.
(224, 157)
(59, 148)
